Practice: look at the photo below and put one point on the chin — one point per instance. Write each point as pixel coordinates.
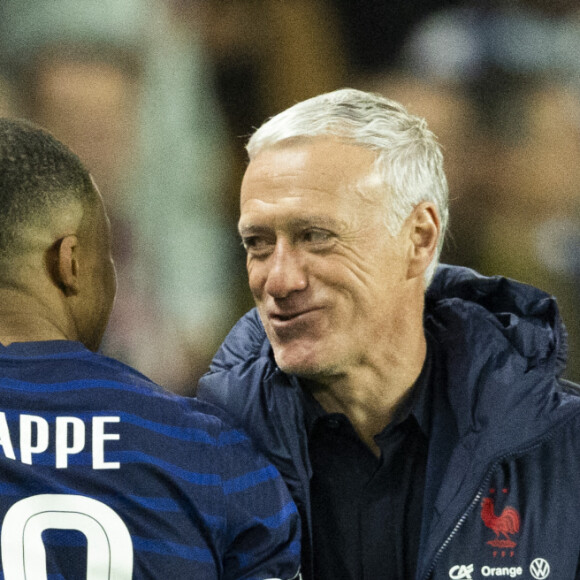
(305, 365)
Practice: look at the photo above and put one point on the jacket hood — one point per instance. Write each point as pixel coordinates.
(528, 317)
(504, 348)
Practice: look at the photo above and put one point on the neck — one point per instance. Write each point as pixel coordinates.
(25, 319)
(370, 393)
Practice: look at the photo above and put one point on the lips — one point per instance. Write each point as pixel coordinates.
(289, 316)
(295, 321)
(285, 317)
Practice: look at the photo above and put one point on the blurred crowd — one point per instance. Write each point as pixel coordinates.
(159, 96)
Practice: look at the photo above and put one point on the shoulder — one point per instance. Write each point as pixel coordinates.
(243, 367)
(503, 348)
(246, 383)
(98, 366)
(247, 341)
(116, 385)
(497, 313)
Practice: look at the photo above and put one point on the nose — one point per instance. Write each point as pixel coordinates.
(286, 273)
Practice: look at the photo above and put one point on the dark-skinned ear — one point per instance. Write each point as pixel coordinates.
(66, 265)
(424, 234)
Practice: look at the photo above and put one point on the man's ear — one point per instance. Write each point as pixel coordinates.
(425, 227)
(66, 265)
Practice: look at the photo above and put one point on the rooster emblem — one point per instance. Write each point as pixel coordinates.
(506, 524)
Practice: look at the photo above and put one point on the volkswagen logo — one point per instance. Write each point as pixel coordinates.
(540, 569)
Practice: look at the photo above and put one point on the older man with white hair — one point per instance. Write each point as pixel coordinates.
(416, 413)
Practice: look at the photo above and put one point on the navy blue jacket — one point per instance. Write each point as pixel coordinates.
(502, 495)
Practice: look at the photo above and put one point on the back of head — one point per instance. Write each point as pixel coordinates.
(38, 177)
(408, 157)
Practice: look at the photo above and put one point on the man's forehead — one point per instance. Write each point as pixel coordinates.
(320, 182)
(304, 194)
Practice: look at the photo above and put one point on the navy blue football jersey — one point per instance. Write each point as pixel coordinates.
(104, 475)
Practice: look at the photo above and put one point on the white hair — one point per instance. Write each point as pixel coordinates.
(408, 157)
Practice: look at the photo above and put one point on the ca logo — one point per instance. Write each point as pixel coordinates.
(540, 569)
(461, 572)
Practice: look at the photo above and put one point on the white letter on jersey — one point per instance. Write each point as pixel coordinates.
(109, 546)
(99, 438)
(26, 447)
(78, 439)
(5, 440)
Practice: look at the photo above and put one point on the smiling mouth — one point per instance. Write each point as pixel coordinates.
(285, 317)
(281, 318)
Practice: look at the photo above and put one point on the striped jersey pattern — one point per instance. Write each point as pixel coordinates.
(103, 474)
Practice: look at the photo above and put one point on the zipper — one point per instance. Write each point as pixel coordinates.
(485, 482)
(461, 520)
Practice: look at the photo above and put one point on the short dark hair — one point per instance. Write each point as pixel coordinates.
(38, 173)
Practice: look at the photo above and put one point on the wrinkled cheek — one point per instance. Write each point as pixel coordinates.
(256, 282)
(257, 293)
